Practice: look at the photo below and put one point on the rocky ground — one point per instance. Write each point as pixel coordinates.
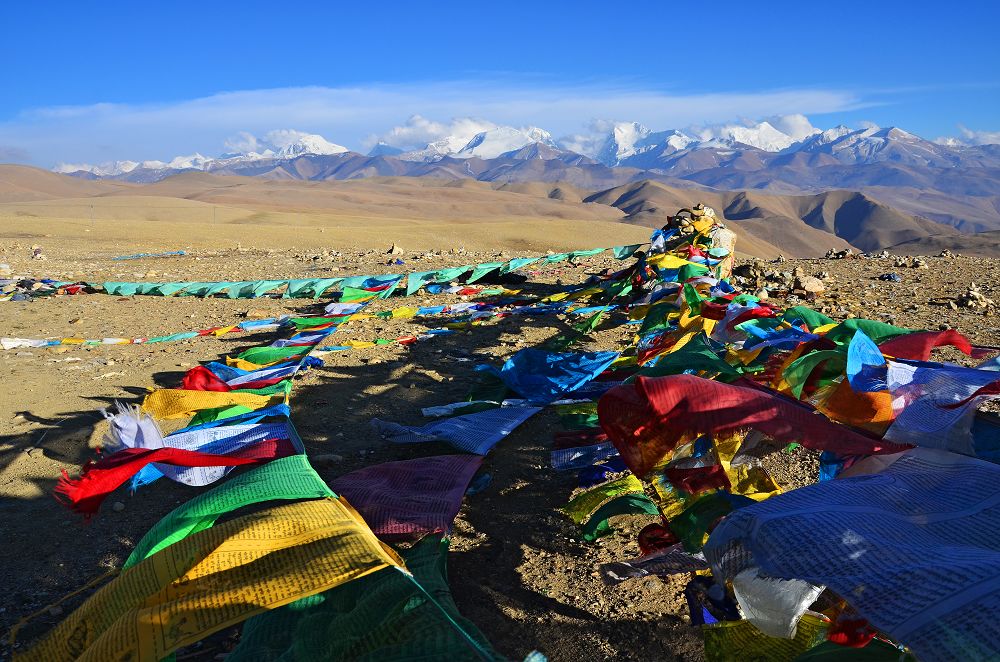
(518, 569)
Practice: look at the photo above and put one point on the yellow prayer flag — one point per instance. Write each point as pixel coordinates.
(164, 403)
(584, 504)
(216, 578)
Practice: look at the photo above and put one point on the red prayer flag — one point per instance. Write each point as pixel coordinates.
(100, 478)
(648, 418)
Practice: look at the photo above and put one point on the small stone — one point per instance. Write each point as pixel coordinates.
(76, 320)
(55, 611)
(118, 506)
(327, 459)
(810, 285)
(394, 250)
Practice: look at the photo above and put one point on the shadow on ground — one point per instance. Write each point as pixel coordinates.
(517, 569)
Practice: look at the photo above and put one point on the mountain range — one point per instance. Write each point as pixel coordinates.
(952, 184)
(767, 223)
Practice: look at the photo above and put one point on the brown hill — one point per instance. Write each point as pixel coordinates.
(767, 223)
(799, 225)
(23, 184)
(387, 197)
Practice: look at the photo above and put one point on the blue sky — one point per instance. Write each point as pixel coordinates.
(108, 80)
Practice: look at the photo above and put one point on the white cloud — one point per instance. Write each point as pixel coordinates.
(796, 126)
(351, 115)
(244, 141)
(970, 137)
(589, 143)
(418, 131)
(283, 137)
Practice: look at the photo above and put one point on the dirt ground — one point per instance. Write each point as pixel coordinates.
(518, 569)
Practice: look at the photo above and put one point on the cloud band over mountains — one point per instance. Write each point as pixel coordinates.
(357, 116)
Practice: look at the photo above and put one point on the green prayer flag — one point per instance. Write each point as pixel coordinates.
(877, 331)
(625, 252)
(693, 523)
(262, 355)
(386, 615)
(482, 270)
(798, 371)
(285, 478)
(627, 504)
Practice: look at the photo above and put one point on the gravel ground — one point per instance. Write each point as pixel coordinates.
(518, 569)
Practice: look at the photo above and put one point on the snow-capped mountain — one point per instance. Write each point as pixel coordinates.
(287, 145)
(874, 144)
(111, 169)
(721, 155)
(488, 144)
(309, 144)
(627, 139)
(494, 142)
(763, 136)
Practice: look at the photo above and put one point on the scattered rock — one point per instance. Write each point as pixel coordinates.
(809, 285)
(891, 277)
(118, 506)
(840, 255)
(55, 610)
(973, 298)
(394, 250)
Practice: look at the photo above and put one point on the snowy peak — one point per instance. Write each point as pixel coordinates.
(762, 136)
(543, 152)
(875, 144)
(741, 145)
(284, 144)
(628, 139)
(112, 169)
(434, 151)
(492, 143)
(309, 143)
